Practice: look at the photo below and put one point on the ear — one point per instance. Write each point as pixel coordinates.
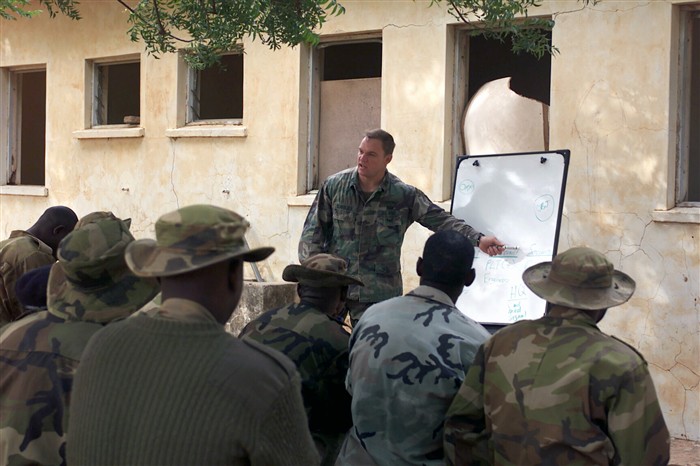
(471, 276)
(419, 267)
(389, 157)
(57, 230)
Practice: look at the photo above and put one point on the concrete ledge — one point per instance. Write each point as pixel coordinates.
(257, 298)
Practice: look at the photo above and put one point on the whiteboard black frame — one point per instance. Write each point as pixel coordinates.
(565, 156)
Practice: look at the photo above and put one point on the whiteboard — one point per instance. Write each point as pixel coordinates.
(519, 199)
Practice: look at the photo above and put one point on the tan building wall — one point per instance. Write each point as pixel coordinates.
(612, 104)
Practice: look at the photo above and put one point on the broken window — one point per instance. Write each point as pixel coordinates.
(116, 93)
(688, 147)
(216, 93)
(345, 102)
(479, 61)
(24, 163)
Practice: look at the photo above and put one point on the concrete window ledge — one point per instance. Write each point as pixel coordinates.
(305, 200)
(12, 190)
(205, 131)
(107, 133)
(677, 215)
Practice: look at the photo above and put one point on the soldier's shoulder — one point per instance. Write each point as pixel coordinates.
(628, 348)
(12, 334)
(267, 359)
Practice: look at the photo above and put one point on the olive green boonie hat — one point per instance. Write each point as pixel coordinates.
(580, 278)
(191, 238)
(322, 271)
(91, 281)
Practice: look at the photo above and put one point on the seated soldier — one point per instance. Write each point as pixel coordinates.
(311, 334)
(408, 357)
(89, 287)
(170, 385)
(26, 250)
(557, 390)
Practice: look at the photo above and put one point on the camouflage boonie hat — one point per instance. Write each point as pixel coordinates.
(580, 278)
(322, 271)
(91, 282)
(192, 238)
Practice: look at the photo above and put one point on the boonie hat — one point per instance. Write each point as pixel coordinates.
(580, 278)
(322, 271)
(91, 281)
(191, 238)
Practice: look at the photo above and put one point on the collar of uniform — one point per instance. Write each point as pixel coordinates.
(42, 246)
(355, 183)
(568, 313)
(433, 294)
(182, 310)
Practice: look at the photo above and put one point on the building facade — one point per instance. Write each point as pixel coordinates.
(88, 119)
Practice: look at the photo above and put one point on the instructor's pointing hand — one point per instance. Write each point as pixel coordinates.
(491, 245)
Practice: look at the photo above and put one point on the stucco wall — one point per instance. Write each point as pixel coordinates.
(611, 105)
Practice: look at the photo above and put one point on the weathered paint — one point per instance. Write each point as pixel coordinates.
(611, 105)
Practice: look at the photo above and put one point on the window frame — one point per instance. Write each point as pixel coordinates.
(95, 85)
(193, 78)
(10, 134)
(686, 15)
(315, 71)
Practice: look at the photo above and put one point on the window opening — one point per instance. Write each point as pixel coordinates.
(216, 93)
(117, 96)
(345, 102)
(27, 131)
(688, 156)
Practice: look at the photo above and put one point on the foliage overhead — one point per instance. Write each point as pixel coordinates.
(507, 20)
(207, 28)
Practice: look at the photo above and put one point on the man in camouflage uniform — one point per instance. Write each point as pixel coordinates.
(88, 287)
(408, 357)
(557, 390)
(361, 214)
(170, 385)
(311, 335)
(26, 250)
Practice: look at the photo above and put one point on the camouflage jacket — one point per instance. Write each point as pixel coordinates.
(318, 346)
(408, 357)
(19, 253)
(556, 391)
(369, 233)
(39, 355)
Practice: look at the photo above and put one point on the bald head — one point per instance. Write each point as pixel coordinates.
(53, 225)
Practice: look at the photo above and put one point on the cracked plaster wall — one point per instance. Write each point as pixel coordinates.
(611, 104)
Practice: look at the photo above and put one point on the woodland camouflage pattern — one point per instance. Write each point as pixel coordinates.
(19, 253)
(369, 234)
(191, 238)
(39, 354)
(408, 357)
(318, 346)
(556, 391)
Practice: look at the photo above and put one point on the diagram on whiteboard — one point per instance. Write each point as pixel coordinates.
(518, 198)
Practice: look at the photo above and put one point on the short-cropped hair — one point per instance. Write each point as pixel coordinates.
(447, 258)
(387, 139)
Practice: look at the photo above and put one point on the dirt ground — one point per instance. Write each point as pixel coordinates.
(685, 453)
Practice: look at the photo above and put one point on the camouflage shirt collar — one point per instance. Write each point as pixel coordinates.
(568, 313)
(432, 294)
(182, 310)
(42, 246)
(383, 186)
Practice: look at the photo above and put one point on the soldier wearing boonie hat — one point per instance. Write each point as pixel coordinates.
(89, 287)
(560, 391)
(175, 376)
(310, 333)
